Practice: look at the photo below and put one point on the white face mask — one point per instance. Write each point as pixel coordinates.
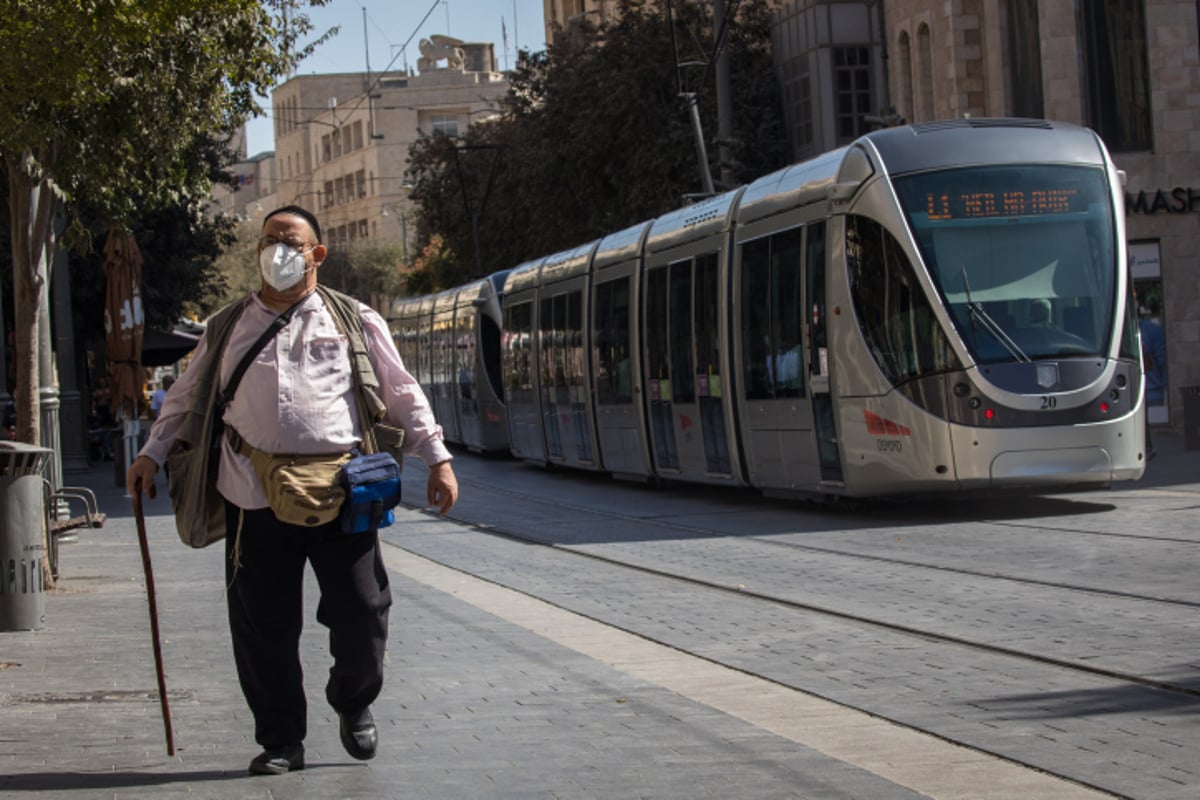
(281, 266)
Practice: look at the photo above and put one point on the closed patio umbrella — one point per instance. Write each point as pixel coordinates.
(123, 330)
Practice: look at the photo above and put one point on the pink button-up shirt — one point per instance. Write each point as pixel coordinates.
(298, 395)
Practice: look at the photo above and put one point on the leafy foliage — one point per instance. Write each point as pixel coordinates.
(114, 95)
(112, 106)
(368, 268)
(594, 137)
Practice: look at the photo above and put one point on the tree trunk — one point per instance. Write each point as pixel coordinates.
(30, 200)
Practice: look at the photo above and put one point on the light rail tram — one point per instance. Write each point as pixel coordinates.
(933, 308)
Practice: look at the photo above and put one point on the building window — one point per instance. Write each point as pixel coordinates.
(444, 124)
(924, 102)
(1118, 90)
(904, 80)
(852, 74)
(326, 148)
(1025, 59)
(798, 98)
(358, 136)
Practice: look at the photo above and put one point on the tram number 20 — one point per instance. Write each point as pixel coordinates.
(1049, 401)
(889, 445)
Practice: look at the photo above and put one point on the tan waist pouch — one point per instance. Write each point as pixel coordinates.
(301, 490)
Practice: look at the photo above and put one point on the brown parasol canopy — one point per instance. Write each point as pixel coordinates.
(123, 321)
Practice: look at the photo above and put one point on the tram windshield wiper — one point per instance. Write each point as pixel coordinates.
(984, 319)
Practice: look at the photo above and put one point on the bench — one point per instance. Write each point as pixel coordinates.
(60, 528)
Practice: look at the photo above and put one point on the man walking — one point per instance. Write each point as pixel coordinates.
(298, 396)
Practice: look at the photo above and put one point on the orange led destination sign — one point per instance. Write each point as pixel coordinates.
(979, 205)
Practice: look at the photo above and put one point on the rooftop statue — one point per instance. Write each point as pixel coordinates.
(440, 48)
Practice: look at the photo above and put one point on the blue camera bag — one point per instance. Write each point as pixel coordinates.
(372, 484)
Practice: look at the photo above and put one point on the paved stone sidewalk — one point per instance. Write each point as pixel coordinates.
(475, 706)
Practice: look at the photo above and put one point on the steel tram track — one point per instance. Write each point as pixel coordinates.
(814, 608)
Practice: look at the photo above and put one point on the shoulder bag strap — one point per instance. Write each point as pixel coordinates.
(347, 316)
(276, 325)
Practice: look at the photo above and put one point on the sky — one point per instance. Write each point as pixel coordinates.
(391, 23)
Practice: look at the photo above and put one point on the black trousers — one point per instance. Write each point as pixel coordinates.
(266, 615)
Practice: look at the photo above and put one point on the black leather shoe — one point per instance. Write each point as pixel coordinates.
(359, 734)
(278, 760)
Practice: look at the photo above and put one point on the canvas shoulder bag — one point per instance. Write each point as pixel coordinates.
(191, 474)
(194, 460)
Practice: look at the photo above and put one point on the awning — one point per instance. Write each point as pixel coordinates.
(162, 348)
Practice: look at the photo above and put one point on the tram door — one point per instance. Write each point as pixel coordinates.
(786, 406)
(685, 389)
(618, 415)
(564, 381)
(519, 360)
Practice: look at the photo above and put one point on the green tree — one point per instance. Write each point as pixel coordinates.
(369, 269)
(594, 136)
(238, 264)
(116, 101)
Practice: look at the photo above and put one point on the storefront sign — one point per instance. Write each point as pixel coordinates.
(1180, 200)
(1145, 260)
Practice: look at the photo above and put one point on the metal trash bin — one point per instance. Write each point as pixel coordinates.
(1191, 417)
(22, 536)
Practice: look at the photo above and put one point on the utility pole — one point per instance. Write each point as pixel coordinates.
(724, 96)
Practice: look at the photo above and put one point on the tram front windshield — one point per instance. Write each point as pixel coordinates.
(1022, 256)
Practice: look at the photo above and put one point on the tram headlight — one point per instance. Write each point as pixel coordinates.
(1103, 407)
(961, 390)
(1114, 395)
(974, 403)
(1121, 381)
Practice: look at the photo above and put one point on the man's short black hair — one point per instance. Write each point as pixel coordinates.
(303, 213)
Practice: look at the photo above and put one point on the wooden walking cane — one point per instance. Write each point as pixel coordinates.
(158, 660)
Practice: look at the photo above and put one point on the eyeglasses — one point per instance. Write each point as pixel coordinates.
(295, 244)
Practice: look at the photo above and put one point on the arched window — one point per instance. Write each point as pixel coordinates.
(904, 77)
(925, 80)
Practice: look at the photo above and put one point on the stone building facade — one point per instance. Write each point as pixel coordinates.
(342, 140)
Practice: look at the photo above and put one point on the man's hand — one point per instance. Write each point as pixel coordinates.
(443, 487)
(141, 476)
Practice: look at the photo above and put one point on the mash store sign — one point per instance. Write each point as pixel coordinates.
(1180, 200)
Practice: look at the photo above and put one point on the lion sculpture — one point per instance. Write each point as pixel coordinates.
(440, 48)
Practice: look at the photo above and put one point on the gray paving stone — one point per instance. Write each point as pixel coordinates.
(473, 706)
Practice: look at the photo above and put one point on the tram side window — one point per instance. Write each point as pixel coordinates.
(787, 313)
(683, 367)
(896, 318)
(773, 316)
(489, 342)
(816, 294)
(708, 326)
(612, 343)
(448, 377)
(550, 341)
(464, 349)
(756, 318)
(656, 329)
(518, 330)
(573, 335)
